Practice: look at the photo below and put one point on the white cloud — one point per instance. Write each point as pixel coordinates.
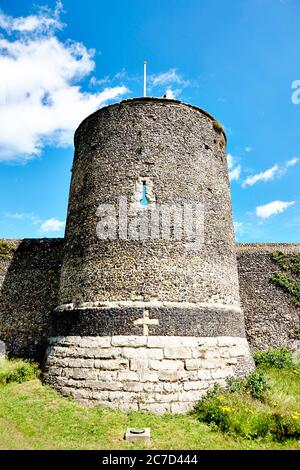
(170, 95)
(18, 215)
(292, 162)
(268, 175)
(235, 173)
(248, 149)
(44, 20)
(164, 84)
(272, 208)
(263, 176)
(165, 78)
(238, 227)
(230, 160)
(23, 216)
(43, 101)
(51, 225)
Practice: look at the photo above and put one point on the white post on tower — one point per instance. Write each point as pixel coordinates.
(145, 78)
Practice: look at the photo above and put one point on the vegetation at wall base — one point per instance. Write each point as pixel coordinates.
(17, 371)
(264, 405)
(34, 416)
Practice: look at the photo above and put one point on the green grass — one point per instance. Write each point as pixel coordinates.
(17, 371)
(34, 416)
(265, 405)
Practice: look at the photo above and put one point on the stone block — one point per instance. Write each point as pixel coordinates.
(154, 364)
(55, 371)
(195, 385)
(182, 407)
(168, 375)
(134, 353)
(123, 397)
(107, 376)
(211, 353)
(83, 374)
(218, 374)
(189, 342)
(58, 351)
(133, 386)
(77, 394)
(148, 376)
(128, 376)
(177, 353)
(84, 363)
(163, 341)
(138, 364)
(131, 341)
(61, 361)
(208, 342)
(224, 353)
(131, 435)
(94, 342)
(101, 395)
(226, 341)
(185, 375)
(155, 353)
(112, 386)
(210, 363)
(166, 397)
(111, 364)
(167, 364)
(191, 396)
(156, 408)
(68, 340)
(153, 387)
(172, 387)
(237, 351)
(99, 352)
(231, 361)
(204, 375)
(193, 364)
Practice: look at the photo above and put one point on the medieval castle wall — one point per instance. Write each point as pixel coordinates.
(135, 321)
(29, 283)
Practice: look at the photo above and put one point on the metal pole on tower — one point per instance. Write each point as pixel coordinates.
(145, 78)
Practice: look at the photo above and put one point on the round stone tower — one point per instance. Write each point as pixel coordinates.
(149, 313)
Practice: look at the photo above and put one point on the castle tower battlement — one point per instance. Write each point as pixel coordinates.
(149, 311)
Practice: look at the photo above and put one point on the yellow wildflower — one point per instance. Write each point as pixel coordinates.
(226, 409)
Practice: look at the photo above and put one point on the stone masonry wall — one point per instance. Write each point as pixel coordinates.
(270, 315)
(28, 293)
(29, 285)
(116, 148)
(156, 373)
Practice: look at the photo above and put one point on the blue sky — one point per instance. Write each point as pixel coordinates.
(236, 59)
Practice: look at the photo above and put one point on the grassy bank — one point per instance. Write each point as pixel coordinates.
(33, 416)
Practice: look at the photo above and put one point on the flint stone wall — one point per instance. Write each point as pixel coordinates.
(271, 317)
(29, 283)
(179, 149)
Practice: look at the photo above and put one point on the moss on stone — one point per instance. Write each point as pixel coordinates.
(217, 126)
(288, 278)
(6, 249)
